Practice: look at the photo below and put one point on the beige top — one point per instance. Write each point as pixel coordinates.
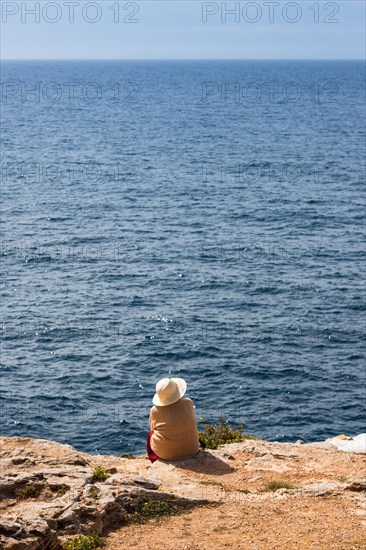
(175, 430)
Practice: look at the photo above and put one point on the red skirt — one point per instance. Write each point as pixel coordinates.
(150, 453)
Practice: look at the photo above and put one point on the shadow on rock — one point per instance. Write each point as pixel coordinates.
(204, 462)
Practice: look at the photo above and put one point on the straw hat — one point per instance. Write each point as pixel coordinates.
(168, 391)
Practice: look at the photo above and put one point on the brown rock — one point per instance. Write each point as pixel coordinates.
(356, 486)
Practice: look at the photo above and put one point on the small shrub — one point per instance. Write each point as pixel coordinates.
(30, 491)
(94, 493)
(275, 485)
(61, 489)
(91, 541)
(100, 474)
(153, 509)
(214, 435)
(157, 508)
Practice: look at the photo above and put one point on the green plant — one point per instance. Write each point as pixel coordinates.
(153, 509)
(214, 435)
(91, 541)
(29, 491)
(157, 508)
(94, 493)
(275, 485)
(100, 474)
(61, 489)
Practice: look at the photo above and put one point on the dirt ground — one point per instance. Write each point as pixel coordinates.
(323, 523)
(318, 513)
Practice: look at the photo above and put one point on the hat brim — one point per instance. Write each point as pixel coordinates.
(182, 388)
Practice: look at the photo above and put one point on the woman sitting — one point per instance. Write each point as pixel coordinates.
(173, 431)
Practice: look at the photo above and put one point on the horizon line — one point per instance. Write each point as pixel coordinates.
(185, 59)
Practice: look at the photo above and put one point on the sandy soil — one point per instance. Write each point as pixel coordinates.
(319, 513)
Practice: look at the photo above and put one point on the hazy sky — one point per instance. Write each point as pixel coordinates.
(182, 29)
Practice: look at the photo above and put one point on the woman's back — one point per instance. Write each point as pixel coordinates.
(174, 428)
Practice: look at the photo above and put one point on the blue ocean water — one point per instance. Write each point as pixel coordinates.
(195, 219)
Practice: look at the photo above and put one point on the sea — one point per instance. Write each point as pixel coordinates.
(194, 219)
